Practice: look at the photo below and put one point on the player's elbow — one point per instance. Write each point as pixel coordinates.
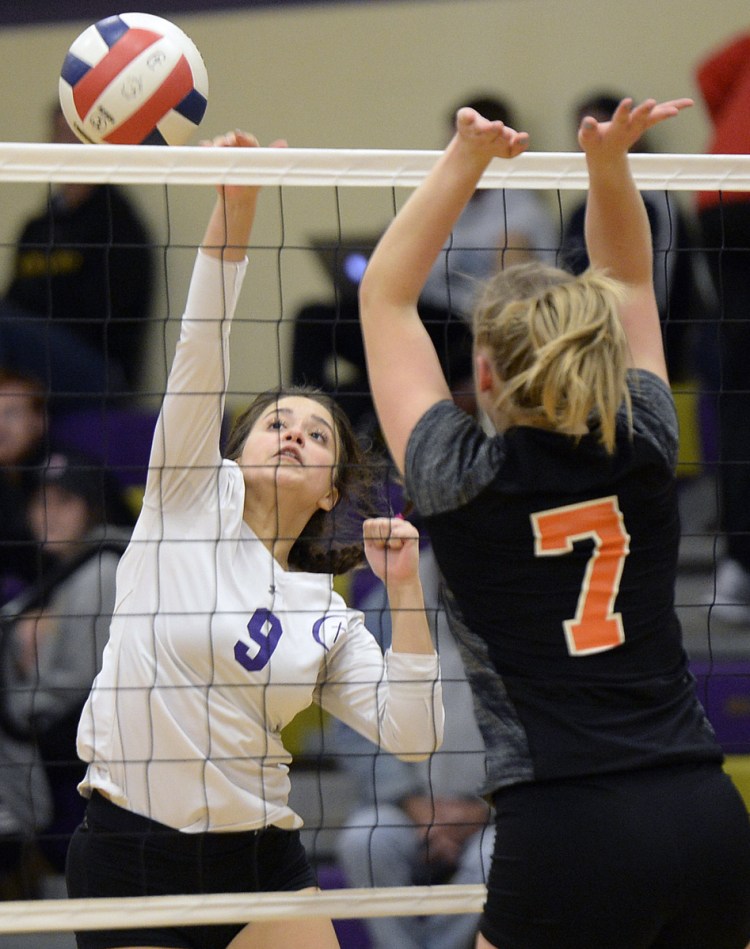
(419, 743)
(370, 294)
(380, 294)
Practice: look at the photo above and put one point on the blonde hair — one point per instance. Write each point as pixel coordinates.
(558, 345)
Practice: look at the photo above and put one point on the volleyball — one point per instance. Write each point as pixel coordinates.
(133, 79)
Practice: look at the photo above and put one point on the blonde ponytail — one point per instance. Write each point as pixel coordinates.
(559, 348)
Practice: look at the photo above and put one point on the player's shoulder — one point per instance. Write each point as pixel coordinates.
(449, 459)
(654, 411)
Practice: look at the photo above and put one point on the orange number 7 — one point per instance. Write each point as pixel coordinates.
(595, 627)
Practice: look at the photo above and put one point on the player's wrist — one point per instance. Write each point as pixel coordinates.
(404, 591)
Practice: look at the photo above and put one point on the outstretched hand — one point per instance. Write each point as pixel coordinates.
(392, 549)
(491, 139)
(627, 125)
(237, 139)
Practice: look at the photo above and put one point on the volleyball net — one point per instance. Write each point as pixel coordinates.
(328, 205)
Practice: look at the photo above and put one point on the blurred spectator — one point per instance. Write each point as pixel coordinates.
(418, 823)
(23, 447)
(74, 314)
(25, 809)
(56, 629)
(724, 81)
(498, 228)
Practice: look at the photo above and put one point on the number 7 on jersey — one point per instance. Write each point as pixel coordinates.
(595, 627)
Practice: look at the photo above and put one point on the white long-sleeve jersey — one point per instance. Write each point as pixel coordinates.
(214, 647)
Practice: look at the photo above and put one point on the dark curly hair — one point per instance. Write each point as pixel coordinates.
(332, 540)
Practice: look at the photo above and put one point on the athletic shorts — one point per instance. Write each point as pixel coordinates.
(656, 859)
(117, 853)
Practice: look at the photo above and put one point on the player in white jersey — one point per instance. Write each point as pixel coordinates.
(227, 625)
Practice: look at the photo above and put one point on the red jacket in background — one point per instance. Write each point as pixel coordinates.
(724, 82)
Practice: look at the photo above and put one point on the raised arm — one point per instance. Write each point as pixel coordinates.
(228, 229)
(185, 456)
(404, 369)
(392, 550)
(618, 233)
(404, 714)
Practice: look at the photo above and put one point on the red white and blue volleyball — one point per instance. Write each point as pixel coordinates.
(134, 79)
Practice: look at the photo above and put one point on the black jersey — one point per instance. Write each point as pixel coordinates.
(559, 563)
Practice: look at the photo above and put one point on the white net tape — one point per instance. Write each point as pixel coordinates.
(131, 164)
(210, 909)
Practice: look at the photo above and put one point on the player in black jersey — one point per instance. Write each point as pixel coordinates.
(557, 537)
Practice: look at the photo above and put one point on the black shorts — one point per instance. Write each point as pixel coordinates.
(656, 859)
(117, 853)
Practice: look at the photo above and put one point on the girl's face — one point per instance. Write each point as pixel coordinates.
(294, 445)
(59, 520)
(21, 424)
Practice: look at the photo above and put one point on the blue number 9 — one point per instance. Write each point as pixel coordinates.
(267, 641)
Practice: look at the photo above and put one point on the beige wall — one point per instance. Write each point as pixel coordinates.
(373, 75)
